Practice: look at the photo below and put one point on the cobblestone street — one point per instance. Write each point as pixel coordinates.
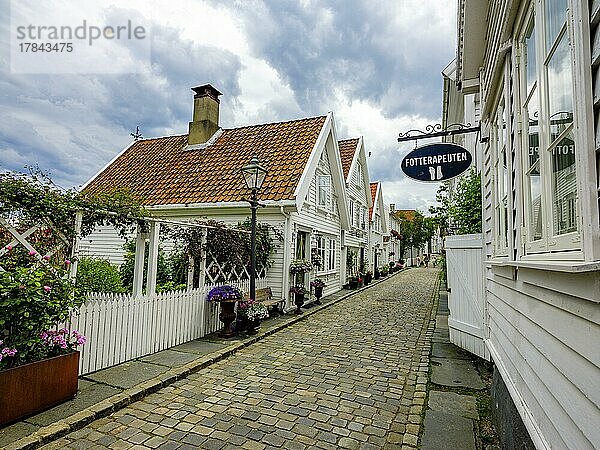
(352, 376)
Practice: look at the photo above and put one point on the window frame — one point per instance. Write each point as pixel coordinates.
(320, 187)
(565, 244)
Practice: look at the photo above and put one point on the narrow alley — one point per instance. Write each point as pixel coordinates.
(352, 376)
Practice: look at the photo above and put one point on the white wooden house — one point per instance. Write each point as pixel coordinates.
(356, 174)
(526, 74)
(378, 227)
(197, 175)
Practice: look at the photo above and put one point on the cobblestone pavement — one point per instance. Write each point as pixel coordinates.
(352, 376)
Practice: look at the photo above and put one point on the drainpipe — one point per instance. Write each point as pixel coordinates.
(287, 240)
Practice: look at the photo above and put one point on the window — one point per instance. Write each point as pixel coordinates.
(351, 210)
(324, 190)
(331, 255)
(321, 253)
(550, 180)
(359, 174)
(499, 139)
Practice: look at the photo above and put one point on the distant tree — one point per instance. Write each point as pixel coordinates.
(459, 212)
(415, 230)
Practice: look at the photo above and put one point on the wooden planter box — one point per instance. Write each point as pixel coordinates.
(35, 387)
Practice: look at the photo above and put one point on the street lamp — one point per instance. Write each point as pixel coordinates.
(254, 175)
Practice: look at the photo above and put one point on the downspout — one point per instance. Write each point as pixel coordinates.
(287, 241)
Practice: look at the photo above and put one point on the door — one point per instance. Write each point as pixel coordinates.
(466, 293)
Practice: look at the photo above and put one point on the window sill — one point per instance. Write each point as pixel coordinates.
(554, 266)
(329, 272)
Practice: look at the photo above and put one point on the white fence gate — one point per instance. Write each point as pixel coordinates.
(122, 327)
(466, 293)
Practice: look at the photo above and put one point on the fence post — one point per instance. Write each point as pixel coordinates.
(75, 250)
(190, 274)
(203, 255)
(138, 268)
(153, 258)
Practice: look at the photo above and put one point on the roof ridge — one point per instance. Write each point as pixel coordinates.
(276, 123)
(349, 139)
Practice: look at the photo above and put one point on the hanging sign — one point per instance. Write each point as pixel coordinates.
(436, 162)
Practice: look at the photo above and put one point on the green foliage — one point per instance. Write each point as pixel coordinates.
(441, 263)
(414, 230)
(98, 275)
(465, 204)
(33, 198)
(163, 271)
(229, 247)
(459, 212)
(34, 298)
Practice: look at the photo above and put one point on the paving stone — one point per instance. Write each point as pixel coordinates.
(453, 403)
(127, 375)
(455, 372)
(444, 431)
(330, 381)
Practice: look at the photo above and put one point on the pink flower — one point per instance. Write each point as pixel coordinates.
(21, 286)
(67, 262)
(47, 258)
(9, 247)
(47, 288)
(32, 253)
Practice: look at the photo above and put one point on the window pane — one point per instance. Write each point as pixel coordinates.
(555, 15)
(560, 89)
(564, 189)
(530, 58)
(532, 181)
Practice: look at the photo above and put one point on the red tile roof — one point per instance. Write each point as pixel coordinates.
(161, 171)
(408, 214)
(373, 187)
(347, 150)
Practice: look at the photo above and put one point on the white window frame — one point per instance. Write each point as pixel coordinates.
(501, 169)
(324, 191)
(321, 253)
(331, 255)
(549, 242)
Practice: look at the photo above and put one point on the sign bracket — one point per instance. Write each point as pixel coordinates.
(436, 130)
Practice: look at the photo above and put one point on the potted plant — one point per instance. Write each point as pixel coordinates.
(353, 282)
(360, 280)
(300, 266)
(318, 285)
(315, 259)
(377, 273)
(384, 270)
(226, 296)
(250, 313)
(368, 277)
(38, 362)
(299, 291)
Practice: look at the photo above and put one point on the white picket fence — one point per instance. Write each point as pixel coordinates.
(122, 327)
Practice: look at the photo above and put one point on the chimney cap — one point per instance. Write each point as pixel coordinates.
(206, 90)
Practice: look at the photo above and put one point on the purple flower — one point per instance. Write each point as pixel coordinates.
(32, 253)
(67, 262)
(226, 292)
(47, 288)
(46, 257)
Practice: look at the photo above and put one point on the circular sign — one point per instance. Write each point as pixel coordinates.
(436, 162)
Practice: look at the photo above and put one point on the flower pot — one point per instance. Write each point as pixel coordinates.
(377, 275)
(298, 301)
(318, 294)
(368, 278)
(37, 386)
(353, 284)
(252, 326)
(227, 316)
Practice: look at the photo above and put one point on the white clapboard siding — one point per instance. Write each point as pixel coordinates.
(121, 327)
(466, 296)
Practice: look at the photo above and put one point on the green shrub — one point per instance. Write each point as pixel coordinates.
(163, 273)
(98, 275)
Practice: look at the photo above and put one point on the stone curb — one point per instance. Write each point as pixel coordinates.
(118, 401)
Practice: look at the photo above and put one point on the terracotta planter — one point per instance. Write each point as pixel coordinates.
(298, 301)
(35, 387)
(227, 316)
(318, 294)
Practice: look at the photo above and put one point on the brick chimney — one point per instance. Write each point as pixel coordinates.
(205, 121)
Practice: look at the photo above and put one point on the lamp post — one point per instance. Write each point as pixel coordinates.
(254, 175)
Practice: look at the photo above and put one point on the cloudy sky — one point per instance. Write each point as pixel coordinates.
(375, 64)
